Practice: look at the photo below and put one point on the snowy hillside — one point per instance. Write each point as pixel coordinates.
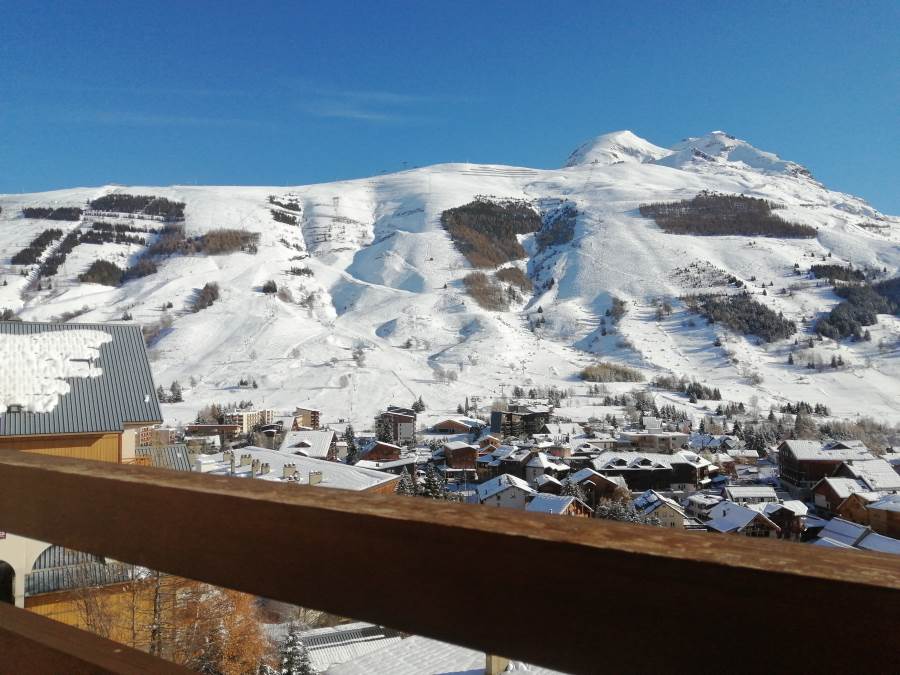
(371, 308)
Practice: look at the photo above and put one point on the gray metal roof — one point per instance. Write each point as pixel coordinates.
(175, 457)
(123, 393)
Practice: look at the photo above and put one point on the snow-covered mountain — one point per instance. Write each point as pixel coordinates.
(374, 272)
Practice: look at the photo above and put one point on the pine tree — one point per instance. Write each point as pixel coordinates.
(434, 486)
(570, 489)
(459, 409)
(350, 440)
(161, 395)
(791, 359)
(405, 485)
(294, 654)
(175, 389)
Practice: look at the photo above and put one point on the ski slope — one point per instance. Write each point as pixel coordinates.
(386, 279)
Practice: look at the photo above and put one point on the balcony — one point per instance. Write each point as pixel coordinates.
(572, 594)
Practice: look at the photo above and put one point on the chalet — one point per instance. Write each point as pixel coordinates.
(306, 418)
(749, 494)
(802, 464)
(562, 432)
(669, 512)
(400, 421)
(540, 463)
(505, 491)
(653, 441)
(489, 442)
(407, 462)
(829, 493)
(547, 484)
(876, 474)
(379, 451)
(520, 420)
(597, 487)
(559, 506)
(75, 390)
(459, 455)
(699, 505)
(683, 470)
(731, 518)
(854, 507)
(790, 516)
(884, 516)
(456, 425)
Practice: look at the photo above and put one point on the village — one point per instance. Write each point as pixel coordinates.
(727, 470)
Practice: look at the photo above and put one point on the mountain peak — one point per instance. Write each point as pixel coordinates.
(721, 147)
(614, 148)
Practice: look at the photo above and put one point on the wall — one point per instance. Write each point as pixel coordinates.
(885, 522)
(103, 447)
(20, 553)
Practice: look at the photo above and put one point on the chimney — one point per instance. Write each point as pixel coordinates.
(264, 468)
(254, 467)
(246, 460)
(289, 471)
(495, 665)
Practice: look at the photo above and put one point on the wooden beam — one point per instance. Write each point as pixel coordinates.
(30, 643)
(567, 593)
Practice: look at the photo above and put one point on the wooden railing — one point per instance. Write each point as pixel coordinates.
(567, 593)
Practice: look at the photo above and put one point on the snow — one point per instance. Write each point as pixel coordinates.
(386, 278)
(36, 366)
(547, 503)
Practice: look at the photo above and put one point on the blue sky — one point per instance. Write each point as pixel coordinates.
(298, 92)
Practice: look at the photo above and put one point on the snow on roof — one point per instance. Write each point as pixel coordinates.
(877, 474)
(844, 487)
(38, 365)
(314, 444)
(584, 474)
(887, 503)
(545, 478)
(830, 543)
(844, 531)
(497, 485)
(542, 461)
(331, 646)
(730, 517)
(878, 542)
(649, 501)
(738, 492)
(831, 451)
(794, 505)
(564, 429)
(545, 503)
(334, 474)
(704, 500)
(416, 655)
(458, 445)
(465, 421)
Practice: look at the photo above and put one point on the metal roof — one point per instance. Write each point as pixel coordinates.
(123, 393)
(175, 457)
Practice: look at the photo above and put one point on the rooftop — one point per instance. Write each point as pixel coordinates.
(74, 378)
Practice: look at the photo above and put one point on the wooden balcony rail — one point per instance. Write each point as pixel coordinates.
(567, 593)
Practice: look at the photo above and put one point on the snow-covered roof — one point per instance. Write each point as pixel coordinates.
(546, 478)
(503, 482)
(844, 531)
(649, 501)
(332, 646)
(878, 542)
(876, 473)
(313, 443)
(830, 451)
(730, 517)
(738, 492)
(546, 503)
(334, 474)
(543, 461)
(417, 655)
(844, 487)
(459, 445)
(74, 378)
